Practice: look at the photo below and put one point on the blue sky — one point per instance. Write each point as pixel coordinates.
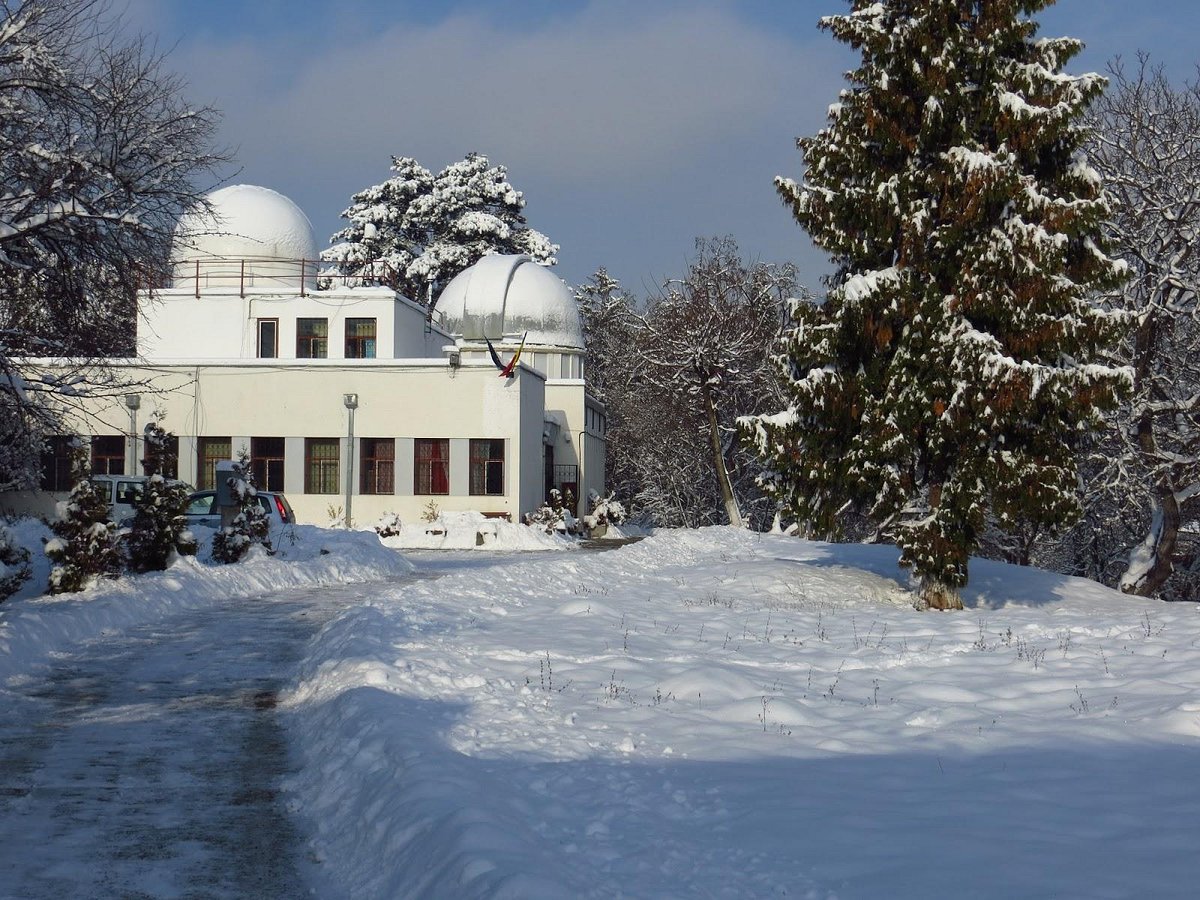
(631, 127)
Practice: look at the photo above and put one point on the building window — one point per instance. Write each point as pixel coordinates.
(210, 451)
(360, 339)
(57, 457)
(108, 455)
(431, 470)
(487, 467)
(321, 465)
(378, 466)
(266, 463)
(164, 461)
(312, 338)
(268, 338)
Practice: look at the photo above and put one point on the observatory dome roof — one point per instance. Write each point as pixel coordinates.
(246, 222)
(510, 295)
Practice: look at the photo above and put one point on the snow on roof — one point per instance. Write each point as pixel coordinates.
(510, 295)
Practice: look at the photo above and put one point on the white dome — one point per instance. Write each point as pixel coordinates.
(258, 233)
(510, 295)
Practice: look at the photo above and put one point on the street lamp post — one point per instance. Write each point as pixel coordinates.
(351, 401)
(133, 402)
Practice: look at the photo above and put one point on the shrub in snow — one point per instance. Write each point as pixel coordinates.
(159, 529)
(85, 541)
(605, 511)
(555, 515)
(14, 564)
(250, 525)
(388, 525)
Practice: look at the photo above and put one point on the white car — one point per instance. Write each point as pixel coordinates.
(202, 510)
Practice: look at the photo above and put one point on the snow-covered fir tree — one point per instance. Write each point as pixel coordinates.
(84, 545)
(952, 367)
(417, 230)
(14, 564)
(159, 529)
(250, 526)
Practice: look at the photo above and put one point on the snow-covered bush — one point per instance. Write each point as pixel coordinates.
(250, 525)
(388, 525)
(85, 541)
(605, 510)
(159, 529)
(14, 564)
(555, 515)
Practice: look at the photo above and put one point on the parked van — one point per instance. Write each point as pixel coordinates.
(121, 491)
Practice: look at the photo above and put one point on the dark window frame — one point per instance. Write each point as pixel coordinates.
(312, 338)
(58, 457)
(105, 459)
(208, 453)
(361, 346)
(274, 354)
(322, 472)
(487, 468)
(431, 470)
(377, 466)
(268, 462)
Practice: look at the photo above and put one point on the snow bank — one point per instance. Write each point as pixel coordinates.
(33, 628)
(721, 713)
(470, 531)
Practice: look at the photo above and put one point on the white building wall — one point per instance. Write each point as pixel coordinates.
(402, 400)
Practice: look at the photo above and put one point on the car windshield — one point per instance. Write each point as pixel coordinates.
(200, 506)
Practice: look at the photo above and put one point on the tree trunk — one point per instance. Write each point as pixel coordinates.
(1150, 563)
(935, 594)
(714, 436)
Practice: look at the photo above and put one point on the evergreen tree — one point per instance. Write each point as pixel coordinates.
(250, 525)
(950, 369)
(14, 564)
(416, 230)
(159, 529)
(84, 545)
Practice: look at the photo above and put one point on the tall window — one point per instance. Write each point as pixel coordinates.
(56, 463)
(360, 339)
(268, 338)
(487, 467)
(312, 338)
(266, 463)
(378, 466)
(210, 451)
(108, 455)
(321, 465)
(431, 470)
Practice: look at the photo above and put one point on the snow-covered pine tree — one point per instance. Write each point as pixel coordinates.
(84, 545)
(250, 525)
(416, 230)
(159, 529)
(14, 564)
(381, 241)
(950, 369)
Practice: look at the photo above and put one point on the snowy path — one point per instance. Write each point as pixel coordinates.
(148, 765)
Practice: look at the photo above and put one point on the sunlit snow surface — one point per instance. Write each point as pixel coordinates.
(723, 714)
(701, 714)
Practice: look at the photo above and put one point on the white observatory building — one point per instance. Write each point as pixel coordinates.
(346, 394)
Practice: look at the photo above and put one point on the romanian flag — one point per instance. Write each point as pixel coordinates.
(506, 371)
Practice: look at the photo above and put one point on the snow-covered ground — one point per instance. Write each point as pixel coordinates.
(724, 714)
(33, 627)
(711, 713)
